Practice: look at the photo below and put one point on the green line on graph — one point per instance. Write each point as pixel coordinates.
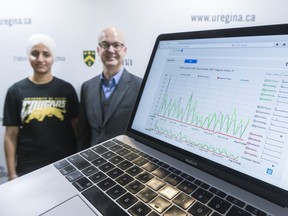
(179, 136)
(217, 122)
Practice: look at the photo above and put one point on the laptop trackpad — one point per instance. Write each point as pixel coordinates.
(72, 207)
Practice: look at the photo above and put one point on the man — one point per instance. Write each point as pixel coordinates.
(107, 100)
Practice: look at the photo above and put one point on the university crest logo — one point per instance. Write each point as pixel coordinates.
(89, 57)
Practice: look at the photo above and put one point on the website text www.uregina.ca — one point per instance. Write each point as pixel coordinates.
(15, 21)
(228, 18)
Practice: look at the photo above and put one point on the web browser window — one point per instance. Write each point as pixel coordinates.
(225, 99)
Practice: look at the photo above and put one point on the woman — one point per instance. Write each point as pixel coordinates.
(40, 114)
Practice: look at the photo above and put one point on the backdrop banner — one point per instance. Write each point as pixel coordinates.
(75, 26)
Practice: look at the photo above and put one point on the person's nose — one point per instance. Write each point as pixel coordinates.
(40, 57)
(111, 48)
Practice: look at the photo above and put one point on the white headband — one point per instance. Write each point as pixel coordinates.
(41, 38)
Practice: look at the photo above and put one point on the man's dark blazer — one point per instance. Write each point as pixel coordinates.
(91, 129)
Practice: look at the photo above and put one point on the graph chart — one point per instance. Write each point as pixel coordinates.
(182, 137)
(200, 112)
(223, 117)
(189, 113)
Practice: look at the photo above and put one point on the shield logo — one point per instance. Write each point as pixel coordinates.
(89, 57)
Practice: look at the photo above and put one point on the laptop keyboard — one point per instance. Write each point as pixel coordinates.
(118, 179)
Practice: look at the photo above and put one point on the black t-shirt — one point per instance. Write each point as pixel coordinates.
(43, 113)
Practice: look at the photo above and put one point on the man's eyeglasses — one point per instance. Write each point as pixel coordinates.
(116, 46)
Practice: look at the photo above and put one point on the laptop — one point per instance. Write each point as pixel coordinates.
(207, 136)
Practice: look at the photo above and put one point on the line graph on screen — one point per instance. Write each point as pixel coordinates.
(184, 108)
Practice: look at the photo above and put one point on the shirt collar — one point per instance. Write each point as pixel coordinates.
(116, 77)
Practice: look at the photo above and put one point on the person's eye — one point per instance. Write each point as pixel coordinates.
(105, 45)
(46, 54)
(34, 54)
(116, 46)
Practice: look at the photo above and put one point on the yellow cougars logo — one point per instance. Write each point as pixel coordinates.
(40, 114)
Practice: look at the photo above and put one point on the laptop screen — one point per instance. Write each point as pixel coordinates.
(220, 97)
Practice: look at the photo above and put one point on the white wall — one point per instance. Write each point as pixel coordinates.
(75, 25)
